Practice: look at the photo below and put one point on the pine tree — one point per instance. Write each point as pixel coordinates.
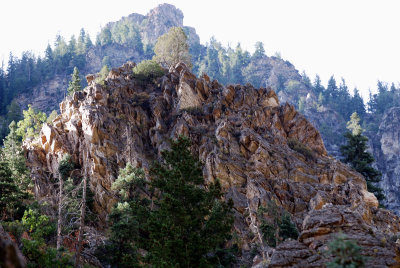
(13, 155)
(331, 90)
(75, 83)
(259, 51)
(357, 103)
(10, 194)
(355, 153)
(174, 219)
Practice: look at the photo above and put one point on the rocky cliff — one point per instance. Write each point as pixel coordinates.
(241, 135)
(386, 149)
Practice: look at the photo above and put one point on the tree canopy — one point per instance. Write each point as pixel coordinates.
(172, 48)
(31, 124)
(174, 219)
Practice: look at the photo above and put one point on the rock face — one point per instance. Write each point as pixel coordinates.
(241, 135)
(46, 96)
(386, 149)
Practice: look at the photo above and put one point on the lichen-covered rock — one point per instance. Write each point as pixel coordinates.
(241, 135)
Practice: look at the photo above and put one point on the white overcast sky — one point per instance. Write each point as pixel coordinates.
(358, 40)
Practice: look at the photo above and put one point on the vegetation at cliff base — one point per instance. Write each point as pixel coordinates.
(171, 221)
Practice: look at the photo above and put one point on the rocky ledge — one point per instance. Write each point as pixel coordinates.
(242, 136)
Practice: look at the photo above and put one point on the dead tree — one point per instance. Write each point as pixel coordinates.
(81, 223)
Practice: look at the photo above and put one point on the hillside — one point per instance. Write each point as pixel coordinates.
(244, 138)
(42, 82)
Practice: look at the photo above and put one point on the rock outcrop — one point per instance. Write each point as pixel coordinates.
(46, 96)
(241, 135)
(386, 150)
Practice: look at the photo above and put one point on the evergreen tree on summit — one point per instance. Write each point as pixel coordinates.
(172, 48)
(355, 153)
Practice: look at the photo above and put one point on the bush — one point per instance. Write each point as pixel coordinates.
(101, 76)
(65, 166)
(147, 71)
(346, 253)
(38, 230)
(301, 148)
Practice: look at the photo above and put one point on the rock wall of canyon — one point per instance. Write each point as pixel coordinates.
(241, 135)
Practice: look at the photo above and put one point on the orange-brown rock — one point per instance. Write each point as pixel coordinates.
(240, 134)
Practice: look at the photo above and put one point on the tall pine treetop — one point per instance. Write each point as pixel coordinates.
(354, 124)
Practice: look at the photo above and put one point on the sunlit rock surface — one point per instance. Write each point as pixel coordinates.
(241, 135)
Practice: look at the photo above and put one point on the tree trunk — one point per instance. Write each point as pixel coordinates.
(59, 222)
(81, 223)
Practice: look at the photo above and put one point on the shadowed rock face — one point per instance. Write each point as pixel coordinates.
(10, 255)
(386, 149)
(241, 136)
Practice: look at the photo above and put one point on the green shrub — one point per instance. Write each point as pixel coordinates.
(345, 252)
(37, 250)
(65, 166)
(147, 71)
(101, 76)
(301, 148)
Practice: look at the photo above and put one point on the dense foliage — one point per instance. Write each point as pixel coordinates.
(13, 155)
(10, 194)
(172, 221)
(31, 124)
